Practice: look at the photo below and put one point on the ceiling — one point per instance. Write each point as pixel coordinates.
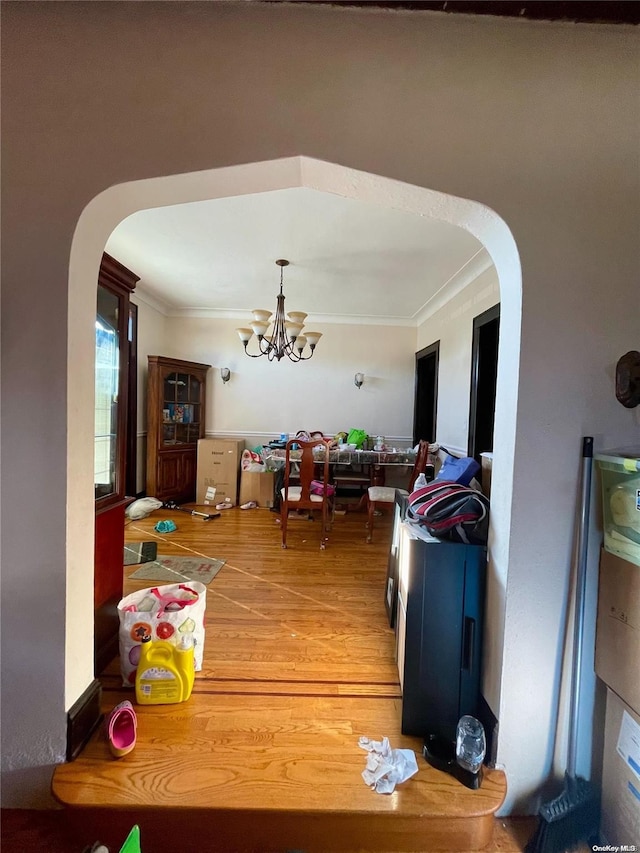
(349, 260)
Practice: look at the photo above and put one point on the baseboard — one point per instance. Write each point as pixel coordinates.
(107, 623)
(83, 718)
(490, 723)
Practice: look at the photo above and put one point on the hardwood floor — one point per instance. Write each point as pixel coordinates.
(298, 664)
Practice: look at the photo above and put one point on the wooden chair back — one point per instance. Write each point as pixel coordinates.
(310, 465)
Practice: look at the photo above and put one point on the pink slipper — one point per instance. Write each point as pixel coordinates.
(121, 724)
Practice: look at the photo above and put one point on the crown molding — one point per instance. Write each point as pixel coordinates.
(466, 275)
(333, 319)
(142, 295)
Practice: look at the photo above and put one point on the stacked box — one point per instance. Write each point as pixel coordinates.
(617, 663)
(257, 486)
(620, 826)
(218, 467)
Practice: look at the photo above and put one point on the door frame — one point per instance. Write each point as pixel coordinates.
(432, 349)
(481, 320)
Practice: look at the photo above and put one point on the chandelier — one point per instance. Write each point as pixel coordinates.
(284, 338)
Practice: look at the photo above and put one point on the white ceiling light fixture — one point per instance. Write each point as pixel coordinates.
(285, 338)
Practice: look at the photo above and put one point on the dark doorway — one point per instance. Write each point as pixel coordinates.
(484, 372)
(426, 399)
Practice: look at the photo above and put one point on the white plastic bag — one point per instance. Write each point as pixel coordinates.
(142, 507)
(161, 613)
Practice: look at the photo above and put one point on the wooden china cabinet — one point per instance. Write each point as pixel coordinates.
(176, 397)
(112, 359)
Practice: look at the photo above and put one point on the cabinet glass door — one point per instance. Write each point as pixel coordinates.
(106, 393)
(181, 409)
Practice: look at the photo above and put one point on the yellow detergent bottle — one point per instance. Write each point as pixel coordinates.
(165, 672)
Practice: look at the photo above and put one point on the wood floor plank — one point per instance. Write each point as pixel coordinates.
(298, 664)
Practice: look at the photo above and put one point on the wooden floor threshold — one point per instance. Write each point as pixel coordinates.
(260, 773)
(299, 663)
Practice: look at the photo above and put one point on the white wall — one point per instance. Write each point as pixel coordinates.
(452, 325)
(538, 122)
(269, 398)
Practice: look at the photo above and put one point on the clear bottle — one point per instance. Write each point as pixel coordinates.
(420, 482)
(470, 744)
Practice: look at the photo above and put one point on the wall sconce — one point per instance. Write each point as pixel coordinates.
(358, 379)
(225, 374)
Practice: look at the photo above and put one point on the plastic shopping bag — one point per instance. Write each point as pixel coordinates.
(317, 488)
(162, 613)
(357, 437)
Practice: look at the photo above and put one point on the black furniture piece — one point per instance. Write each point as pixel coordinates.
(439, 625)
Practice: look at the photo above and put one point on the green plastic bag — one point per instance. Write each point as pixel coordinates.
(357, 437)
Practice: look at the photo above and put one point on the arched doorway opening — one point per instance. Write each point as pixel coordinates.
(108, 209)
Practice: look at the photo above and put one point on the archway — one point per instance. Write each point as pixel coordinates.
(112, 206)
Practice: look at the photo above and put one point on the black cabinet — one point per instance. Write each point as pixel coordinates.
(439, 628)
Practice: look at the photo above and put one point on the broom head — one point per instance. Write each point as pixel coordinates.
(571, 818)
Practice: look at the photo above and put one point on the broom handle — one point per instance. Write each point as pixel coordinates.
(578, 624)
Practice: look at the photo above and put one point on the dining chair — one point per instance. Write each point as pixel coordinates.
(381, 495)
(303, 495)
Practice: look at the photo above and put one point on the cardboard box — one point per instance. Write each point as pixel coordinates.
(218, 467)
(486, 463)
(620, 821)
(257, 486)
(618, 627)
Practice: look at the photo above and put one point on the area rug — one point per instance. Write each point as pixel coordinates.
(140, 552)
(176, 569)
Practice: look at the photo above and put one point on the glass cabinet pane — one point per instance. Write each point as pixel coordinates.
(194, 389)
(182, 387)
(181, 406)
(106, 393)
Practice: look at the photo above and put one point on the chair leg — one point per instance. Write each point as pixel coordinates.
(284, 515)
(372, 506)
(323, 531)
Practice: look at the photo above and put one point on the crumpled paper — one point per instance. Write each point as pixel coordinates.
(386, 767)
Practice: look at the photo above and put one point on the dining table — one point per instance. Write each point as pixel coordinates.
(376, 460)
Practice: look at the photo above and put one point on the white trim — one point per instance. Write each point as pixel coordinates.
(142, 295)
(275, 434)
(337, 319)
(465, 276)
